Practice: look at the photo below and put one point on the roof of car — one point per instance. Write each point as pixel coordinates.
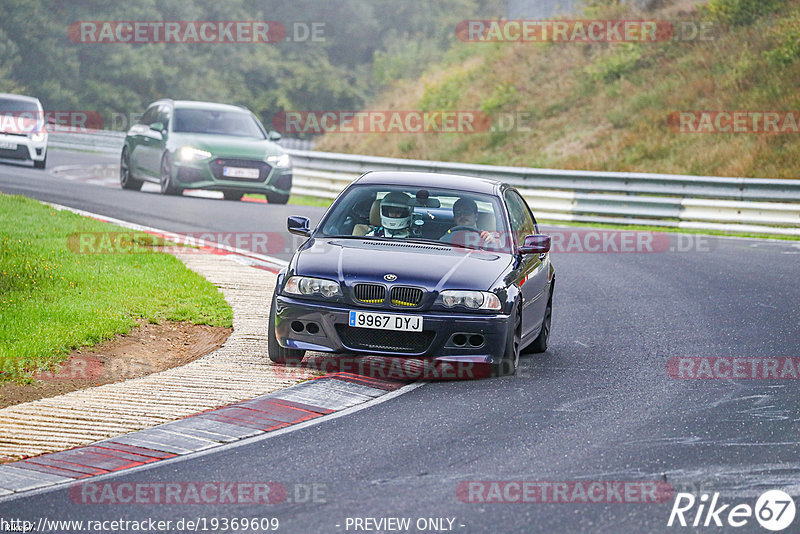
(193, 104)
(471, 184)
(11, 96)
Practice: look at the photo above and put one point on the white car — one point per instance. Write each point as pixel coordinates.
(23, 131)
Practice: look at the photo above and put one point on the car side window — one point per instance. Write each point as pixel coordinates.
(163, 116)
(150, 116)
(522, 222)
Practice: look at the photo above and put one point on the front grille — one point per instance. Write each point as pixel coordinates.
(384, 340)
(408, 297)
(219, 163)
(21, 152)
(370, 293)
(189, 175)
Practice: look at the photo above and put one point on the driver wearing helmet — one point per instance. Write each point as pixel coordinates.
(396, 215)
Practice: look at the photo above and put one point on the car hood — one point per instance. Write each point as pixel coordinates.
(429, 266)
(226, 146)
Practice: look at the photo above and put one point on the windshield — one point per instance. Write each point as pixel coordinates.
(16, 106)
(207, 121)
(444, 216)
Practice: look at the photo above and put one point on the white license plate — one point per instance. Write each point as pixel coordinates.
(240, 172)
(8, 145)
(386, 321)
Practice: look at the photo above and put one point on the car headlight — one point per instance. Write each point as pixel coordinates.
(282, 161)
(473, 300)
(307, 286)
(38, 137)
(190, 153)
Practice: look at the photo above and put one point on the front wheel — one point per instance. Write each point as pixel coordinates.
(510, 360)
(40, 164)
(540, 343)
(278, 354)
(126, 179)
(167, 184)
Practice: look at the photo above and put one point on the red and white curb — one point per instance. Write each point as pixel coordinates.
(280, 410)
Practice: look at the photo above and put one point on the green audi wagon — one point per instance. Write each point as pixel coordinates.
(181, 144)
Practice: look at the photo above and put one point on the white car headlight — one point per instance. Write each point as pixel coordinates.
(305, 285)
(282, 161)
(190, 153)
(474, 300)
(38, 137)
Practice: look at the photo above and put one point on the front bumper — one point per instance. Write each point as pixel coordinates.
(452, 337)
(206, 175)
(22, 147)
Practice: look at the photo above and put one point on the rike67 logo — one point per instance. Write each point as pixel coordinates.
(774, 510)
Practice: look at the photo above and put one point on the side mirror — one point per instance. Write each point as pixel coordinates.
(274, 136)
(159, 127)
(298, 225)
(535, 244)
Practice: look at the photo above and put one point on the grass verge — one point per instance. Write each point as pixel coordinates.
(304, 200)
(53, 300)
(300, 200)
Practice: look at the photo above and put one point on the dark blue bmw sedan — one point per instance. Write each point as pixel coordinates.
(433, 266)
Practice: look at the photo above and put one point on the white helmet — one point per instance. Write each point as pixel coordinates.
(396, 211)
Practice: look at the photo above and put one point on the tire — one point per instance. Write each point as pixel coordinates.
(40, 164)
(167, 187)
(232, 195)
(277, 198)
(126, 179)
(278, 354)
(510, 360)
(540, 343)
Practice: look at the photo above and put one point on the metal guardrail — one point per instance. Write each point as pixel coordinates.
(701, 202)
(106, 141)
(111, 141)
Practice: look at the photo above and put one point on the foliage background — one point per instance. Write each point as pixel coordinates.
(366, 44)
